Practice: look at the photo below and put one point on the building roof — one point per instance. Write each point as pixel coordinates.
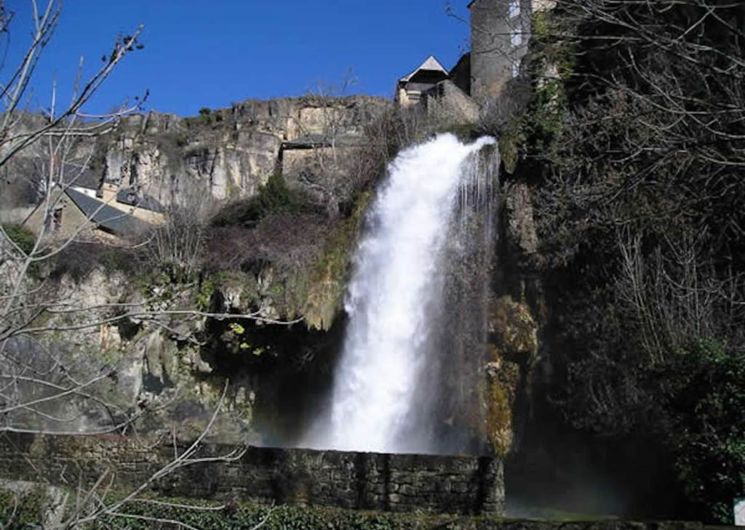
(431, 64)
(132, 197)
(102, 214)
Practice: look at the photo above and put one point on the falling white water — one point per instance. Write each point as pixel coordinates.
(396, 282)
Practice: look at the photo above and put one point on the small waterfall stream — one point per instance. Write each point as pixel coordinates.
(394, 302)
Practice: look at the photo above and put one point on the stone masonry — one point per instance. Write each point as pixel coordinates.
(386, 482)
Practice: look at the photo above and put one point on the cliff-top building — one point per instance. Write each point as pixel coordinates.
(412, 87)
(500, 30)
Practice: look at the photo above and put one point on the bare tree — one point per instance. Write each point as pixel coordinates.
(43, 387)
(23, 301)
(635, 135)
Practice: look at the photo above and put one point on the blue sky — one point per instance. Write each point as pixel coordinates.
(212, 53)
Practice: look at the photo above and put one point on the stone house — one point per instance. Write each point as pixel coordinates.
(500, 32)
(412, 87)
(76, 210)
(439, 90)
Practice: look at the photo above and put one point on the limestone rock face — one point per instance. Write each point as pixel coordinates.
(147, 367)
(220, 154)
(225, 153)
(520, 229)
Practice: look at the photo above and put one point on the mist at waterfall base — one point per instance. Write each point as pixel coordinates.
(382, 398)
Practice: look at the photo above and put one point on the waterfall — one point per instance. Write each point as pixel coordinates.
(394, 301)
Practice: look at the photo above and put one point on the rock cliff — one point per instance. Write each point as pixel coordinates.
(220, 154)
(228, 152)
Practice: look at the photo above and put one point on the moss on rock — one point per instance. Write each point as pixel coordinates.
(329, 279)
(513, 342)
(513, 329)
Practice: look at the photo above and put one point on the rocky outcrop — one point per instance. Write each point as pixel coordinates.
(520, 230)
(129, 358)
(220, 154)
(513, 346)
(225, 153)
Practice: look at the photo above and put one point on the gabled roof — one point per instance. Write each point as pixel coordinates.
(431, 64)
(104, 215)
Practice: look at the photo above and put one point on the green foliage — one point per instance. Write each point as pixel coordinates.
(240, 338)
(528, 120)
(21, 236)
(547, 49)
(21, 510)
(707, 405)
(237, 328)
(548, 114)
(204, 295)
(273, 197)
(329, 276)
(279, 518)
(206, 118)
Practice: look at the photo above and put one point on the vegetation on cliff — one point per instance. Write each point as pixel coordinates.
(25, 511)
(634, 144)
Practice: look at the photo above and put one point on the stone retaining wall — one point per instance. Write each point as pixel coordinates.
(397, 483)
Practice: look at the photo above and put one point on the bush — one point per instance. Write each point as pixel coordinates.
(708, 436)
(21, 236)
(176, 246)
(246, 515)
(78, 259)
(20, 510)
(273, 197)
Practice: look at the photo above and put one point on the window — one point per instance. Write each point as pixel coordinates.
(514, 9)
(57, 218)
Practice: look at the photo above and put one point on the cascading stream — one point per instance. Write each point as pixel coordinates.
(396, 286)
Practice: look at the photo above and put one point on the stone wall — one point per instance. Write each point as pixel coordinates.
(385, 482)
(500, 31)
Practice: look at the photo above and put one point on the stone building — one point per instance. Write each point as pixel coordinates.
(443, 93)
(77, 210)
(412, 87)
(500, 33)
(500, 30)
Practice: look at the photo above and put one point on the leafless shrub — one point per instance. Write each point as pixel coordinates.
(176, 246)
(288, 239)
(639, 170)
(384, 137)
(675, 296)
(80, 258)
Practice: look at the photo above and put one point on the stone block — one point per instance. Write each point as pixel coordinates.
(437, 484)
